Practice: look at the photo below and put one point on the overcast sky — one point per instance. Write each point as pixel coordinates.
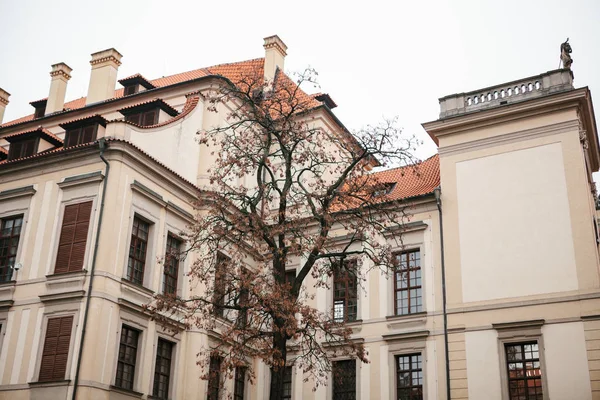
(375, 58)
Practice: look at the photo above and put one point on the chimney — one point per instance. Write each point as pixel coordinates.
(4, 95)
(274, 56)
(59, 76)
(103, 79)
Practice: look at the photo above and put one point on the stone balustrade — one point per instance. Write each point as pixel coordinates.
(511, 92)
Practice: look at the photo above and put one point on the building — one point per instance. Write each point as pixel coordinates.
(93, 190)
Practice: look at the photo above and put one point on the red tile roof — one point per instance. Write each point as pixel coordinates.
(231, 71)
(190, 104)
(412, 181)
(46, 134)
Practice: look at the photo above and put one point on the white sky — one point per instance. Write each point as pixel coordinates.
(376, 59)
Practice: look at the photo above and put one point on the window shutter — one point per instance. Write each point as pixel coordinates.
(88, 134)
(28, 148)
(14, 150)
(56, 349)
(134, 118)
(71, 137)
(149, 118)
(73, 238)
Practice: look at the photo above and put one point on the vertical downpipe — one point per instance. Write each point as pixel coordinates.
(102, 144)
(438, 201)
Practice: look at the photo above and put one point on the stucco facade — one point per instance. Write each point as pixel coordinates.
(517, 212)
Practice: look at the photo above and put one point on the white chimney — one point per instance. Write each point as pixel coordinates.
(4, 95)
(103, 79)
(60, 75)
(275, 52)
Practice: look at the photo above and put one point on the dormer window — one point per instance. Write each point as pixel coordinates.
(147, 114)
(384, 189)
(134, 84)
(26, 144)
(82, 131)
(40, 108)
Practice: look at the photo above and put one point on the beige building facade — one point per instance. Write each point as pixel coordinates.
(95, 191)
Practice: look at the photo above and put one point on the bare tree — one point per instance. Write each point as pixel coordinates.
(286, 189)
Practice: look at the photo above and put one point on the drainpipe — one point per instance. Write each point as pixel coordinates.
(102, 144)
(437, 192)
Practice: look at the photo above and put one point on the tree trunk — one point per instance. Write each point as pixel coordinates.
(277, 374)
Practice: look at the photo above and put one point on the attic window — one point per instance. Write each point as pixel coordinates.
(40, 108)
(384, 189)
(146, 114)
(26, 144)
(134, 84)
(82, 131)
(23, 148)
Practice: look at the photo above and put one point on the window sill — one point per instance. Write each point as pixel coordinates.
(62, 382)
(393, 318)
(137, 286)
(7, 284)
(126, 391)
(61, 275)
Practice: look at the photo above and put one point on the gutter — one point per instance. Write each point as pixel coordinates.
(103, 145)
(438, 200)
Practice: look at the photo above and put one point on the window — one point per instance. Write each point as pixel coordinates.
(145, 118)
(171, 267)
(131, 89)
(345, 298)
(22, 148)
(40, 111)
(214, 377)
(137, 251)
(344, 380)
(243, 298)
(162, 369)
(287, 383)
(290, 275)
(10, 234)
(239, 383)
(127, 357)
(73, 238)
(524, 371)
(56, 349)
(409, 377)
(407, 283)
(219, 289)
(81, 135)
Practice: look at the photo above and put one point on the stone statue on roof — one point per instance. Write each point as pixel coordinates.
(565, 54)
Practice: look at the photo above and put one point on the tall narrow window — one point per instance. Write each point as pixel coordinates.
(219, 287)
(137, 251)
(287, 383)
(344, 380)
(409, 377)
(240, 383)
(345, 298)
(407, 283)
(243, 297)
(171, 267)
(10, 233)
(162, 369)
(127, 357)
(56, 349)
(524, 371)
(73, 238)
(214, 378)
(290, 275)
(22, 148)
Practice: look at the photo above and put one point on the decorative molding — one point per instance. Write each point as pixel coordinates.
(18, 192)
(507, 138)
(529, 324)
(179, 211)
(405, 228)
(63, 296)
(422, 334)
(82, 179)
(149, 193)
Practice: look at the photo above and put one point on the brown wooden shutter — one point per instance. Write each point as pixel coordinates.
(134, 118)
(149, 118)
(56, 349)
(14, 150)
(71, 137)
(73, 238)
(88, 134)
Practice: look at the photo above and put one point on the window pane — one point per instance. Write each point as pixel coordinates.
(523, 370)
(407, 283)
(409, 377)
(127, 357)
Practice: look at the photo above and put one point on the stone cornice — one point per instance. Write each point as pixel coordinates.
(18, 192)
